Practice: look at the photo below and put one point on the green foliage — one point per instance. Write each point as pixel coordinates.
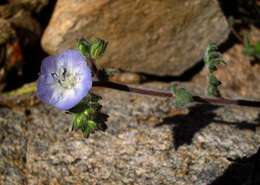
(84, 46)
(98, 48)
(87, 115)
(213, 59)
(213, 84)
(93, 49)
(182, 96)
(251, 50)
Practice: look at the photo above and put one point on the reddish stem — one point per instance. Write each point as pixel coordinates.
(160, 93)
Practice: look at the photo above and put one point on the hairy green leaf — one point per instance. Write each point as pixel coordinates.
(182, 96)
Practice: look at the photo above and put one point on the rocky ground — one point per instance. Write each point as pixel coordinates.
(148, 140)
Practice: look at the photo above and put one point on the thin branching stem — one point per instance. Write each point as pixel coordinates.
(128, 88)
(160, 93)
(236, 34)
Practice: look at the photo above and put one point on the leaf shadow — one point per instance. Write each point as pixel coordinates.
(245, 171)
(184, 127)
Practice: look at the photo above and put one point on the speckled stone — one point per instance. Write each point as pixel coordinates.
(148, 141)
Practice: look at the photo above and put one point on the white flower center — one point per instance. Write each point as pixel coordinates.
(65, 79)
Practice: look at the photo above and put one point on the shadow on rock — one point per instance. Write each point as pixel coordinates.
(247, 11)
(184, 127)
(245, 171)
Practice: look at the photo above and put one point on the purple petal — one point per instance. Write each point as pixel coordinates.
(45, 90)
(49, 65)
(71, 58)
(86, 80)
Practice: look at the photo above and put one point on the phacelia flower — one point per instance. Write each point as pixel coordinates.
(64, 80)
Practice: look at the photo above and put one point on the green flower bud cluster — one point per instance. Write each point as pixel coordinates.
(87, 115)
(93, 49)
(212, 59)
(98, 48)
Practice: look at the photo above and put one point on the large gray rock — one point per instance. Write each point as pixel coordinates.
(148, 141)
(157, 37)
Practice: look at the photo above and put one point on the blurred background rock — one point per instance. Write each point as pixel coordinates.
(22, 24)
(157, 40)
(154, 37)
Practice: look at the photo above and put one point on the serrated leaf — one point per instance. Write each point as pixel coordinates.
(213, 91)
(212, 59)
(90, 101)
(213, 80)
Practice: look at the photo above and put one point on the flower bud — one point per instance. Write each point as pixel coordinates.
(84, 46)
(98, 48)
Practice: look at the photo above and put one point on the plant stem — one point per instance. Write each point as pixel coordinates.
(128, 88)
(236, 34)
(160, 93)
(93, 66)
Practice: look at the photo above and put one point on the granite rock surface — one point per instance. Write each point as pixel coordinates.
(148, 141)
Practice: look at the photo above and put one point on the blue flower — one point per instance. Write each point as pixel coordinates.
(64, 80)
